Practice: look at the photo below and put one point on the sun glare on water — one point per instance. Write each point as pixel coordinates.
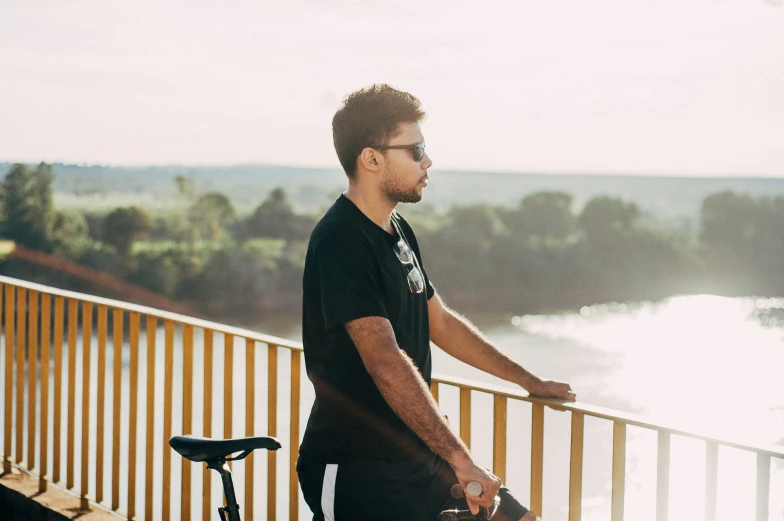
(704, 363)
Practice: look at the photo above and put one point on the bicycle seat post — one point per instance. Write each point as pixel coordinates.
(231, 512)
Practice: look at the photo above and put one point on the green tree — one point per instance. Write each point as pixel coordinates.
(164, 271)
(275, 219)
(211, 214)
(235, 280)
(94, 221)
(185, 187)
(476, 224)
(605, 217)
(460, 252)
(122, 226)
(177, 223)
(26, 198)
(729, 223)
(70, 234)
(543, 216)
(743, 242)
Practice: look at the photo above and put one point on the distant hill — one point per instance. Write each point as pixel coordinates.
(667, 199)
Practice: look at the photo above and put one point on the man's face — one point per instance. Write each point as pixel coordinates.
(403, 178)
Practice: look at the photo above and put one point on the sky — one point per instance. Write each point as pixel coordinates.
(653, 87)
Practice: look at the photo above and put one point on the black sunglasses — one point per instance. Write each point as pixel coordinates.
(417, 149)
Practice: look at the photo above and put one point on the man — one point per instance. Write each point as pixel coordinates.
(375, 446)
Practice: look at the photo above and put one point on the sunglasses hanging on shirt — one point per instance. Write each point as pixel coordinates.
(404, 253)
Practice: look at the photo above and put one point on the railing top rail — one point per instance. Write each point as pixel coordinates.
(166, 315)
(611, 414)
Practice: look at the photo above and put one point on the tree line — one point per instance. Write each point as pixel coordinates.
(540, 256)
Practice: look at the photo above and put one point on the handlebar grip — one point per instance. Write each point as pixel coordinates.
(473, 488)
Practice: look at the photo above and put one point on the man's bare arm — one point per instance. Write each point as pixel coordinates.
(406, 392)
(459, 338)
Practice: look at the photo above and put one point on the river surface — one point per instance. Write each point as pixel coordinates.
(714, 364)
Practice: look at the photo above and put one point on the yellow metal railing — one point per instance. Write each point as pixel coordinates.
(118, 442)
(42, 323)
(620, 420)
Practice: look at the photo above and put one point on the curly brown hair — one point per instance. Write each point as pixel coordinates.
(371, 116)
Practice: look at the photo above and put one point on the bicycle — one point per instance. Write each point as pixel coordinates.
(216, 452)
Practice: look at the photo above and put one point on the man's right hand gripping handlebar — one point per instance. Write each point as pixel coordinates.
(469, 474)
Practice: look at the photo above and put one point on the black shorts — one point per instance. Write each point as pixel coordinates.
(414, 488)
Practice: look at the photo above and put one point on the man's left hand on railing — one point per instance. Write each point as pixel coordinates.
(550, 389)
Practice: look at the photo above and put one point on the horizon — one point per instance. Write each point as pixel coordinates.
(338, 168)
(668, 89)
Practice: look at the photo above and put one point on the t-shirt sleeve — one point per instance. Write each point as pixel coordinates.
(428, 285)
(430, 289)
(350, 287)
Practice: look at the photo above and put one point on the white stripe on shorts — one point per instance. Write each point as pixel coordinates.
(328, 492)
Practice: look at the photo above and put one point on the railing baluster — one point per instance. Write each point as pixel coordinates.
(206, 496)
(228, 388)
(168, 377)
(73, 323)
(711, 479)
(250, 418)
(32, 376)
(21, 311)
(87, 336)
(618, 470)
(499, 437)
(537, 456)
(272, 429)
(46, 315)
(465, 415)
(9, 377)
(117, 344)
(763, 487)
(101, 402)
(152, 330)
(57, 398)
(133, 410)
(296, 363)
(228, 384)
(576, 467)
(187, 417)
(663, 477)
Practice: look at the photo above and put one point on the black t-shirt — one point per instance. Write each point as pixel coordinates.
(352, 271)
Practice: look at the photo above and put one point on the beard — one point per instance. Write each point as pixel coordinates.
(396, 191)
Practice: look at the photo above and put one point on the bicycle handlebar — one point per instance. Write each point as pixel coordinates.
(474, 489)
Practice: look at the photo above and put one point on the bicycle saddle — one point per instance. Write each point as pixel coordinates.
(196, 448)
